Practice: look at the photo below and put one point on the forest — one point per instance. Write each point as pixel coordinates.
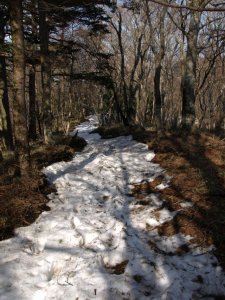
(137, 63)
(112, 149)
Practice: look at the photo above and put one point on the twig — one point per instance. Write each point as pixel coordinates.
(198, 9)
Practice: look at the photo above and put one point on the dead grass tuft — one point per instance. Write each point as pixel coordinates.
(117, 269)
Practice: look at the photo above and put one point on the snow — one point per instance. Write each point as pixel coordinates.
(94, 223)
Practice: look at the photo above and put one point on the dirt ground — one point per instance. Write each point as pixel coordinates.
(23, 199)
(196, 163)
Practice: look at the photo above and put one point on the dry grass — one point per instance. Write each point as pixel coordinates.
(21, 202)
(113, 131)
(23, 199)
(117, 269)
(196, 163)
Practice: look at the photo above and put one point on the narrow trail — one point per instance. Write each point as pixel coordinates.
(97, 242)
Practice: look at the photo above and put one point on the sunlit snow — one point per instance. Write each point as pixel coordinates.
(94, 224)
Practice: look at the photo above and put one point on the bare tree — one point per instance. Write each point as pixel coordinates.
(19, 106)
(7, 133)
(159, 53)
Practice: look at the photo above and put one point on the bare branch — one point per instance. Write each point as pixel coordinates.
(198, 9)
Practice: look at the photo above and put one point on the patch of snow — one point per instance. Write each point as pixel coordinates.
(150, 156)
(162, 186)
(93, 223)
(186, 204)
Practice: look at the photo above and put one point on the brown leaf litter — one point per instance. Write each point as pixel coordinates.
(196, 163)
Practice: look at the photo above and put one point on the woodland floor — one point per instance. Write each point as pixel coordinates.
(196, 163)
(128, 221)
(22, 200)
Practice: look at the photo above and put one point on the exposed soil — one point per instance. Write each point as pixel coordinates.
(196, 163)
(108, 132)
(21, 202)
(117, 269)
(23, 199)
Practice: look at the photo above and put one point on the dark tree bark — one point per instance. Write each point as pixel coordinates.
(32, 76)
(158, 70)
(133, 85)
(159, 53)
(7, 132)
(190, 64)
(32, 105)
(189, 76)
(45, 71)
(123, 85)
(22, 153)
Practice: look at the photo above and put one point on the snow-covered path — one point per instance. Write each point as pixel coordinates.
(95, 243)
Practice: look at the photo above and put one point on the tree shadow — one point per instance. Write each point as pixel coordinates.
(199, 181)
(144, 268)
(211, 203)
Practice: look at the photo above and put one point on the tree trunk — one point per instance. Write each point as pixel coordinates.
(134, 84)
(32, 105)
(32, 76)
(119, 112)
(157, 94)
(158, 70)
(189, 76)
(123, 85)
(22, 153)
(7, 133)
(45, 72)
(159, 53)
